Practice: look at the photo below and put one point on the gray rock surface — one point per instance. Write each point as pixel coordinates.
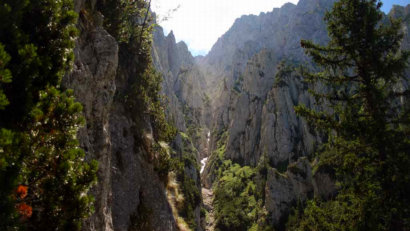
(260, 117)
(258, 113)
(93, 82)
(187, 108)
(284, 191)
(184, 85)
(235, 88)
(128, 188)
(324, 185)
(138, 194)
(254, 100)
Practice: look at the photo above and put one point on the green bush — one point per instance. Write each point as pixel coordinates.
(188, 188)
(238, 197)
(239, 193)
(367, 120)
(44, 180)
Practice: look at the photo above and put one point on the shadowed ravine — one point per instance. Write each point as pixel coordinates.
(233, 108)
(298, 118)
(208, 196)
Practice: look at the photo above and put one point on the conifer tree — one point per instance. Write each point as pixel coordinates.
(39, 37)
(43, 177)
(5, 75)
(53, 169)
(367, 120)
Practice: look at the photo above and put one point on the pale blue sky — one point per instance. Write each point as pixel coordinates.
(200, 23)
(387, 4)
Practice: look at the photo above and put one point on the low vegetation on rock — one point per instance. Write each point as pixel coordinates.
(310, 126)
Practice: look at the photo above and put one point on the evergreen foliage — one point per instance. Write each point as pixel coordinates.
(240, 197)
(43, 177)
(192, 117)
(189, 190)
(188, 187)
(130, 21)
(125, 19)
(39, 37)
(236, 201)
(53, 167)
(5, 76)
(239, 192)
(368, 124)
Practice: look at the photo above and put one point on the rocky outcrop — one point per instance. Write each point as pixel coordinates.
(93, 82)
(285, 191)
(255, 99)
(129, 195)
(241, 87)
(262, 113)
(259, 113)
(139, 199)
(404, 14)
(244, 131)
(253, 65)
(324, 185)
(184, 83)
(188, 107)
(285, 136)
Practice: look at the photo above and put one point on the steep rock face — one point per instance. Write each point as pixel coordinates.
(184, 79)
(129, 194)
(230, 65)
(93, 82)
(244, 131)
(279, 31)
(187, 108)
(404, 14)
(285, 136)
(138, 194)
(256, 95)
(257, 114)
(161, 62)
(284, 191)
(262, 116)
(324, 185)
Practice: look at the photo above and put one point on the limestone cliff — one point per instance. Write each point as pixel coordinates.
(130, 194)
(93, 82)
(284, 191)
(256, 68)
(258, 113)
(253, 65)
(244, 90)
(189, 106)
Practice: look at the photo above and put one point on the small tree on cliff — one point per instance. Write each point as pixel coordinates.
(369, 144)
(43, 177)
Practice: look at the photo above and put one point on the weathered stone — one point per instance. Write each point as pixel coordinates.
(284, 191)
(183, 85)
(93, 82)
(325, 186)
(259, 115)
(234, 89)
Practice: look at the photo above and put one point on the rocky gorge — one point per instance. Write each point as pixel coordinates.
(235, 107)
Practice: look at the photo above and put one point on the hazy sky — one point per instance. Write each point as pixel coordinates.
(201, 22)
